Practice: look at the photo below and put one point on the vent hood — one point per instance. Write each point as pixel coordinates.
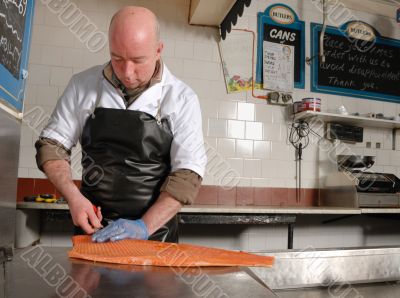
(221, 13)
(209, 12)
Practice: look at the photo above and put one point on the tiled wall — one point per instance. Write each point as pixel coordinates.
(246, 133)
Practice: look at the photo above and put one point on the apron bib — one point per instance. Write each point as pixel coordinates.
(133, 150)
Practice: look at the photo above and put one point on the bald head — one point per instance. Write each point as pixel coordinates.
(134, 45)
(138, 16)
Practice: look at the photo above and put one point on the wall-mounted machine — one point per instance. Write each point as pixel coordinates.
(353, 185)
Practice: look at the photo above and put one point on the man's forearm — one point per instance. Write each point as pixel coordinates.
(161, 212)
(82, 213)
(59, 173)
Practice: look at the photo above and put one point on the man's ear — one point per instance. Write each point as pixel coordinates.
(160, 49)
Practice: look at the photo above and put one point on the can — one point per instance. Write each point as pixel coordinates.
(298, 107)
(312, 104)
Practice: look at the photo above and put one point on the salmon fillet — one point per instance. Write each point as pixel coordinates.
(155, 253)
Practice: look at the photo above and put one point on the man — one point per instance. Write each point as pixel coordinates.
(140, 126)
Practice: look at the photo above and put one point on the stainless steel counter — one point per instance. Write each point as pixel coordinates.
(212, 209)
(379, 290)
(29, 213)
(243, 209)
(48, 272)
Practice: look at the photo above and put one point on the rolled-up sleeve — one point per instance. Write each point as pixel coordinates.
(49, 149)
(183, 185)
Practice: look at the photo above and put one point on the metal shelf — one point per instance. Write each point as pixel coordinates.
(353, 120)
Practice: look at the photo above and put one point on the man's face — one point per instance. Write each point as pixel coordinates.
(134, 60)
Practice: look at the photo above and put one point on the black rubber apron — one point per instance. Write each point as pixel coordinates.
(125, 160)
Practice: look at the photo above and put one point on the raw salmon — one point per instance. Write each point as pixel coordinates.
(154, 253)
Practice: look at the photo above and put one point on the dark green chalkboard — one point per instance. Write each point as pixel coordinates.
(356, 67)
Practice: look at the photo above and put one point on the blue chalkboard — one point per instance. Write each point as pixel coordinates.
(355, 67)
(15, 34)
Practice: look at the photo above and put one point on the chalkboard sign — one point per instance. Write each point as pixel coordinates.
(15, 29)
(359, 62)
(280, 24)
(12, 25)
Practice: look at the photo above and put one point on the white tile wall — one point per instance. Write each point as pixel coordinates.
(262, 149)
(47, 95)
(26, 136)
(246, 111)
(252, 168)
(236, 164)
(202, 70)
(236, 129)
(228, 109)
(72, 57)
(27, 157)
(203, 51)
(281, 151)
(226, 147)
(244, 148)
(217, 128)
(184, 49)
(39, 75)
(247, 132)
(254, 129)
(272, 132)
(263, 113)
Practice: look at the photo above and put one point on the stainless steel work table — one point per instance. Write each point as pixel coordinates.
(212, 214)
(376, 290)
(48, 272)
(55, 275)
(218, 209)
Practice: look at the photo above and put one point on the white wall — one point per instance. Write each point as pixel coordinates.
(191, 52)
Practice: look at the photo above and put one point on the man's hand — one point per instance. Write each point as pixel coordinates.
(122, 229)
(83, 214)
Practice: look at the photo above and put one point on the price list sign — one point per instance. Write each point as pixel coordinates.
(278, 66)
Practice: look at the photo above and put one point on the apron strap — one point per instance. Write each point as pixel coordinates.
(158, 115)
(99, 90)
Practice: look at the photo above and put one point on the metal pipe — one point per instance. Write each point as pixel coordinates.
(321, 37)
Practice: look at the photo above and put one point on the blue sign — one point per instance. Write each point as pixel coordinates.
(280, 24)
(15, 35)
(359, 62)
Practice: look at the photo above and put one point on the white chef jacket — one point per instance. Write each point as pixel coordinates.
(178, 104)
